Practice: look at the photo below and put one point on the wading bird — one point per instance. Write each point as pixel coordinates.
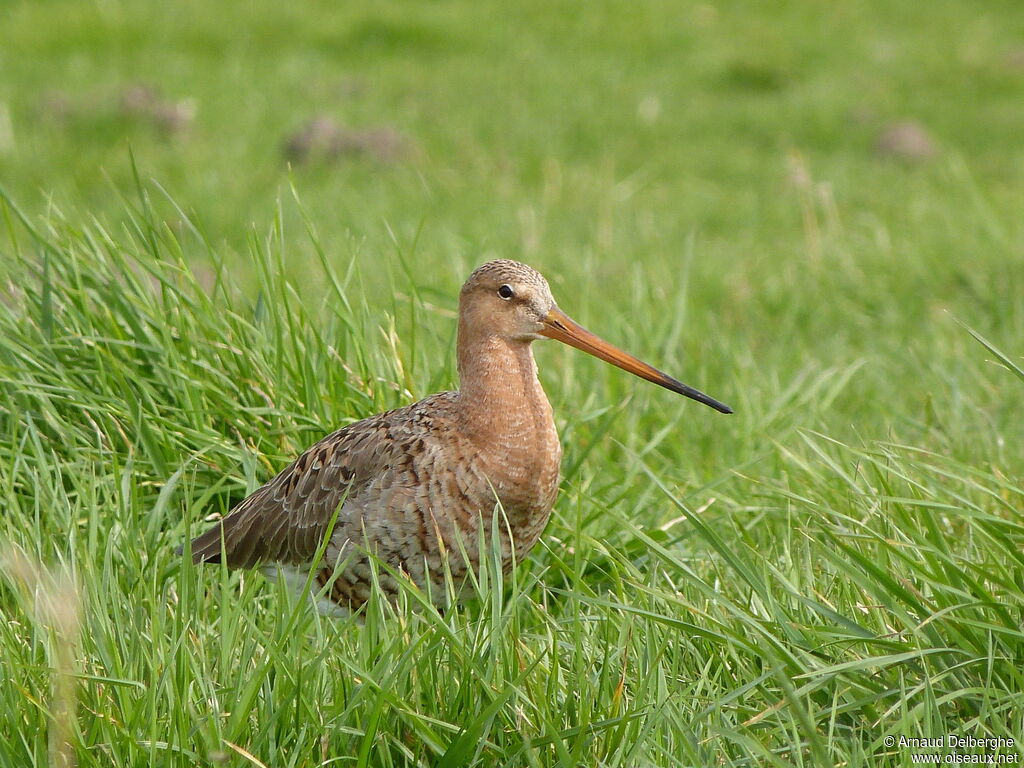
(418, 484)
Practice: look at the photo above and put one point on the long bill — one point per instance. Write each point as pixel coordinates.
(558, 325)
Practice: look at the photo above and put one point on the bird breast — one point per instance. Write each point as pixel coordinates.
(517, 459)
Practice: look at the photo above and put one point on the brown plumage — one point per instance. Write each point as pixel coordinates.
(420, 483)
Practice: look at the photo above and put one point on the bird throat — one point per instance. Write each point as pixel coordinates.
(500, 394)
(504, 412)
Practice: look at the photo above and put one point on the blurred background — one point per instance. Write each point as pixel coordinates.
(808, 184)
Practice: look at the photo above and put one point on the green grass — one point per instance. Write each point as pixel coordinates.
(837, 563)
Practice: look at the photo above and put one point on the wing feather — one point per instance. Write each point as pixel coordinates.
(286, 519)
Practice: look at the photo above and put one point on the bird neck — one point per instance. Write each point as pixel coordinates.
(499, 389)
(506, 417)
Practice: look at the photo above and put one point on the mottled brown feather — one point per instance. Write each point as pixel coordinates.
(285, 520)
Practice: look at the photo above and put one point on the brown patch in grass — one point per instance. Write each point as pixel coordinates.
(906, 140)
(56, 105)
(143, 102)
(1014, 60)
(321, 138)
(137, 103)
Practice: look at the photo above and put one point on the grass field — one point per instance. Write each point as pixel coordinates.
(195, 285)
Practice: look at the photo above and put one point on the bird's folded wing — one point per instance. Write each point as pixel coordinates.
(286, 520)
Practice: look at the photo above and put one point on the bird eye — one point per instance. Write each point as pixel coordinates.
(506, 292)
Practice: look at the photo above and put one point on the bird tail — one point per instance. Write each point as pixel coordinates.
(235, 539)
(208, 547)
